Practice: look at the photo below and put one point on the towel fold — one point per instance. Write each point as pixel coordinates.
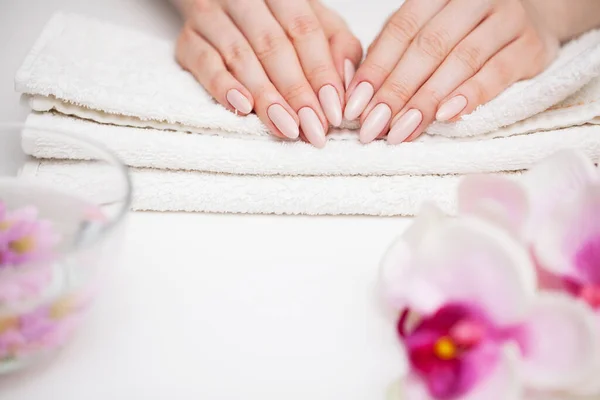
(124, 89)
(174, 150)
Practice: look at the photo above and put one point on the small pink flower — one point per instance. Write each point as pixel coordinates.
(24, 239)
(471, 321)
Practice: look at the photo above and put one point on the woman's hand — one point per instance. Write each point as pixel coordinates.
(440, 59)
(286, 60)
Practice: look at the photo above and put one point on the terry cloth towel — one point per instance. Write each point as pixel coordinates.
(130, 84)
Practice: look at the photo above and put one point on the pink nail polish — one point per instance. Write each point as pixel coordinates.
(451, 108)
(239, 101)
(283, 121)
(358, 101)
(330, 102)
(375, 123)
(349, 71)
(311, 126)
(405, 126)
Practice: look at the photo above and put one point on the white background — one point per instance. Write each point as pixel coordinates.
(217, 306)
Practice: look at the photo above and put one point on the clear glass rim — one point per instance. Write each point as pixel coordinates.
(111, 157)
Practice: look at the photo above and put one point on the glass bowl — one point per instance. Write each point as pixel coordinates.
(60, 228)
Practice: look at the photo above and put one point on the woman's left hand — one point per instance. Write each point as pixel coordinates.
(440, 59)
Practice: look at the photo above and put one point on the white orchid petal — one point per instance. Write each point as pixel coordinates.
(503, 383)
(555, 180)
(566, 230)
(495, 198)
(469, 260)
(397, 266)
(563, 343)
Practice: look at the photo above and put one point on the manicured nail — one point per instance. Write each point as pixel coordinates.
(239, 101)
(283, 121)
(349, 71)
(375, 123)
(359, 100)
(312, 127)
(330, 102)
(405, 126)
(451, 108)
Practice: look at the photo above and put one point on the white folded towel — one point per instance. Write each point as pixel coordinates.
(172, 150)
(130, 84)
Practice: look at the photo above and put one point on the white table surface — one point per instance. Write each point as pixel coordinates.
(216, 306)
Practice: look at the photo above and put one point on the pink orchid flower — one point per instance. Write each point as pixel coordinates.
(471, 321)
(25, 239)
(555, 210)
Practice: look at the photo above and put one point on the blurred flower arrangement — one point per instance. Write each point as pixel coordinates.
(32, 314)
(503, 302)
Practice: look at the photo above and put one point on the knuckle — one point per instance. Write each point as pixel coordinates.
(317, 71)
(268, 44)
(347, 41)
(216, 82)
(503, 73)
(239, 4)
(433, 43)
(295, 91)
(403, 26)
(480, 93)
(302, 26)
(429, 96)
(203, 6)
(377, 71)
(470, 57)
(237, 55)
(398, 90)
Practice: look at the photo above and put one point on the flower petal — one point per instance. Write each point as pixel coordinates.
(555, 180)
(471, 261)
(494, 198)
(503, 383)
(574, 226)
(396, 270)
(563, 343)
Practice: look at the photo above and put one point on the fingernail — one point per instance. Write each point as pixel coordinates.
(349, 71)
(312, 127)
(239, 101)
(330, 102)
(283, 121)
(451, 108)
(359, 100)
(375, 123)
(405, 126)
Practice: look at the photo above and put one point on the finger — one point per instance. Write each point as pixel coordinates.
(397, 35)
(495, 76)
(424, 56)
(204, 62)
(502, 71)
(467, 58)
(215, 27)
(345, 47)
(308, 38)
(279, 59)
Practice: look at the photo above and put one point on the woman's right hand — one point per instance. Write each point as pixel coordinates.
(285, 59)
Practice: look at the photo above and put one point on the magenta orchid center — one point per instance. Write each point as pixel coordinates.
(453, 349)
(587, 264)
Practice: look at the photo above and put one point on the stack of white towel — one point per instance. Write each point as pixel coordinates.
(187, 153)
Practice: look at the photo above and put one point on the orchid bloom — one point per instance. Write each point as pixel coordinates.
(24, 239)
(471, 321)
(555, 209)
